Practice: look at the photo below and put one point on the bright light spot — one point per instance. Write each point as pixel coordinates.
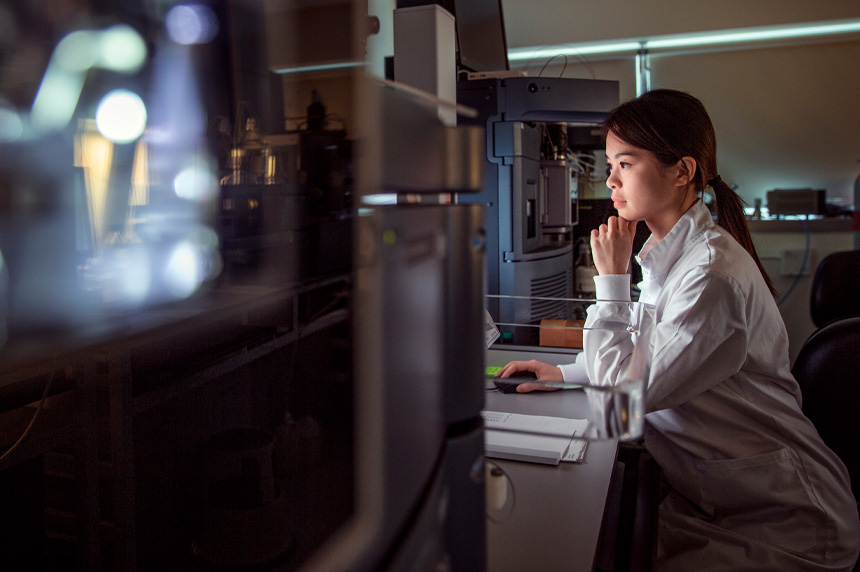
(195, 183)
(208, 237)
(211, 263)
(380, 199)
(78, 51)
(56, 99)
(135, 278)
(11, 126)
(121, 49)
(182, 273)
(121, 116)
(191, 24)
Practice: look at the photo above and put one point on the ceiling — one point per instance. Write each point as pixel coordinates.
(548, 22)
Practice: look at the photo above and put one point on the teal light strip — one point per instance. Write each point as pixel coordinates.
(688, 40)
(754, 35)
(537, 53)
(318, 68)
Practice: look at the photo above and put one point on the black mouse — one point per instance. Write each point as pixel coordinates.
(509, 384)
(525, 374)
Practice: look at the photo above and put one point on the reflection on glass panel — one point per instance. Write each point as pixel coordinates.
(176, 225)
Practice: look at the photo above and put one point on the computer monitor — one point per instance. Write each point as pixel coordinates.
(480, 26)
(481, 41)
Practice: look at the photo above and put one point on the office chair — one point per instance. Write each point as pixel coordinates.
(827, 366)
(828, 371)
(835, 288)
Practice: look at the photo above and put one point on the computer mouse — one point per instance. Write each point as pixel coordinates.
(523, 375)
(509, 384)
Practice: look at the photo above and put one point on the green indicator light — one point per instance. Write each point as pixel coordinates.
(492, 370)
(389, 237)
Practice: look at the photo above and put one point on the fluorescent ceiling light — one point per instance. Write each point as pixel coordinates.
(319, 67)
(521, 54)
(689, 40)
(753, 35)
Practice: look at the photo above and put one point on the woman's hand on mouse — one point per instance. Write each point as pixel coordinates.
(543, 372)
(612, 245)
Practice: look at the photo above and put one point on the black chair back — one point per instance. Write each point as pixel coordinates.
(828, 371)
(836, 287)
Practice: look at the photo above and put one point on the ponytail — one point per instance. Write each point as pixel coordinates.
(730, 216)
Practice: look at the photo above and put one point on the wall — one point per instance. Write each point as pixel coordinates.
(548, 22)
(778, 243)
(785, 117)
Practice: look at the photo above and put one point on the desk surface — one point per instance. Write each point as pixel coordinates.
(557, 510)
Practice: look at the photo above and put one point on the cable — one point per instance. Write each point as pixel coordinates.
(550, 60)
(33, 420)
(502, 502)
(585, 164)
(337, 118)
(799, 272)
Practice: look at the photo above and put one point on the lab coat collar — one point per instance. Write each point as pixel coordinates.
(657, 258)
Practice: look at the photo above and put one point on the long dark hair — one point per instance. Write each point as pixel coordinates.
(673, 124)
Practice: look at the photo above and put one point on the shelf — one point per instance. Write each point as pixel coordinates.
(841, 224)
(150, 399)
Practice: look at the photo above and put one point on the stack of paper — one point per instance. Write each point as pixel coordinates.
(534, 438)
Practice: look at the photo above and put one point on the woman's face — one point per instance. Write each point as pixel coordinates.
(644, 189)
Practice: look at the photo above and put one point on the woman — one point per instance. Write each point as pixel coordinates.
(750, 485)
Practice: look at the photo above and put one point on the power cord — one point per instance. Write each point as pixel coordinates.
(33, 420)
(799, 272)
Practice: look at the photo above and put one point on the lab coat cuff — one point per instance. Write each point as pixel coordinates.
(612, 287)
(574, 372)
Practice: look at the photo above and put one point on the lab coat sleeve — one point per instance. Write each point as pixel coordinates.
(607, 344)
(698, 340)
(607, 287)
(605, 353)
(575, 372)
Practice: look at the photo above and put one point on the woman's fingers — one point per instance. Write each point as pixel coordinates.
(542, 371)
(612, 245)
(527, 387)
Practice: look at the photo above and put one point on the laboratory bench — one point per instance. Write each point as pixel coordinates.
(599, 514)
(556, 512)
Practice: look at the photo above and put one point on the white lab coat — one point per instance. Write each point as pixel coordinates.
(753, 487)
